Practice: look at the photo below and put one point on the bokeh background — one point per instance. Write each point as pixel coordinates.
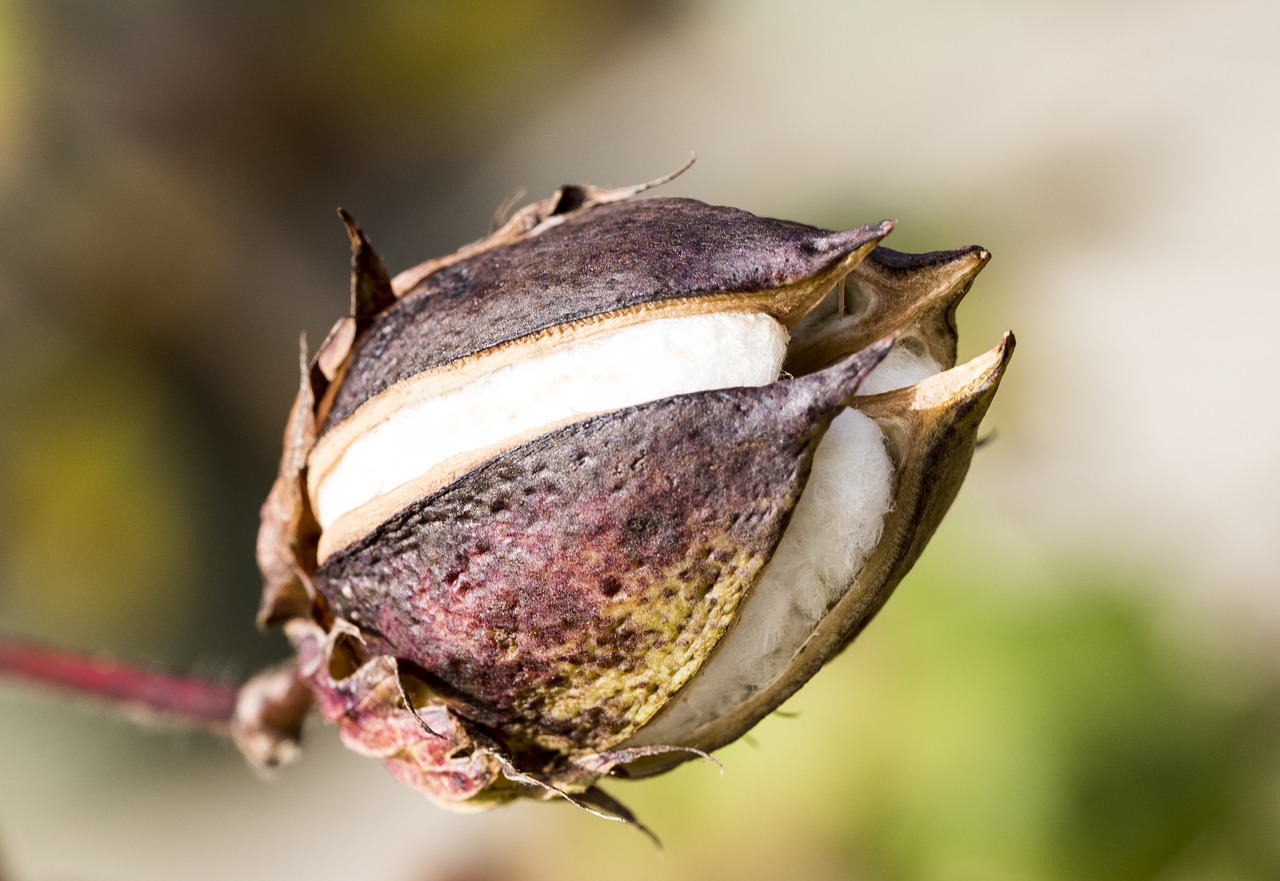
(1079, 680)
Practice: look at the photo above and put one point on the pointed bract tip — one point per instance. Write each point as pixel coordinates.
(992, 363)
(976, 258)
(851, 239)
(970, 386)
(371, 290)
(976, 379)
(669, 177)
(353, 228)
(1005, 350)
(606, 196)
(960, 263)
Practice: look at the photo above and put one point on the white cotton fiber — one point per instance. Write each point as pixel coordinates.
(644, 362)
(903, 367)
(836, 524)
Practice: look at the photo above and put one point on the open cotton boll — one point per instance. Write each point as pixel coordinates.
(834, 528)
(633, 365)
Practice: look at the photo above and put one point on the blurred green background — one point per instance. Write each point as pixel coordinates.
(1078, 681)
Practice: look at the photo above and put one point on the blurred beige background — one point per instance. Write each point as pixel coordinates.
(1079, 680)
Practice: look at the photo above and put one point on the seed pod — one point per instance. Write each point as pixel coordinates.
(597, 493)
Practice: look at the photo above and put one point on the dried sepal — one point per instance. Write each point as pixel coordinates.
(288, 532)
(270, 710)
(371, 291)
(418, 737)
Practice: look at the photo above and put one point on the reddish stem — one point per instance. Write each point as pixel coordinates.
(202, 702)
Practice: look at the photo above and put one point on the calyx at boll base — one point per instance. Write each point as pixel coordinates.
(601, 490)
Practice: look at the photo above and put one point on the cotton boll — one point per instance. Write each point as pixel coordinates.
(535, 564)
(633, 365)
(833, 529)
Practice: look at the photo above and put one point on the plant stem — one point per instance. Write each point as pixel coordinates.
(204, 703)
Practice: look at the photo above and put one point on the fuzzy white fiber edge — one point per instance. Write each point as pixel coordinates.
(633, 365)
(900, 369)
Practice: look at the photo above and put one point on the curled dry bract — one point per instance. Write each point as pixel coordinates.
(522, 618)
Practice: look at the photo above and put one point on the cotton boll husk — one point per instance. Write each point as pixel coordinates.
(633, 365)
(567, 522)
(834, 527)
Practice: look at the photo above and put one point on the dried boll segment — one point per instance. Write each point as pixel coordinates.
(839, 520)
(835, 526)
(407, 455)
(614, 266)
(930, 429)
(729, 282)
(427, 746)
